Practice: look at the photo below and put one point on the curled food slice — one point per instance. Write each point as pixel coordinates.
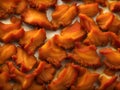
(11, 35)
(95, 35)
(6, 52)
(46, 74)
(86, 22)
(108, 22)
(42, 4)
(11, 32)
(117, 87)
(33, 86)
(115, 26)
(19, 76)
(104, 20)
(65, 78)
(36, 86)
(25, 80)
(86, 80)
(7, 7)
(106, 82)
(52, 53)
(25, 61)
(86, 56)
(21, 6)
(115, 40)
(63, 15)
(36, 18)
(100, 2)
(112, 58)
(4, 68)
(5, 81)
(32, 40)
(69, 36)
(114, 6)
(89, 9)
(13, 25)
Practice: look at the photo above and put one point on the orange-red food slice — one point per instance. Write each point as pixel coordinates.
(86, 56)
(112, 58)
(42, 4)
(86, 80)
(32, 40)
(69, 35)
(6, 52)
(24, 60)
(65, 78)
(36, 18)
(52, 53)
(89, 9)
(63, 15)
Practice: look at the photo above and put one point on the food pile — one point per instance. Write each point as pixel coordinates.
(89, 40)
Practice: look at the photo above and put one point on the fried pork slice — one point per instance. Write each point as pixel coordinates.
(15, 24)
(115, 40)
(100, 2)
(4, 68)
(36, 18)
(5, 81)
(90, 10)
(6, 52)
(11, 32)
(108, 22)
(24, 60)
(19, 76)
(63, 15)
(117, 87)
(115, 26)
(86, 80)
(7, 7)
(11, 35)
(34, 86)
(25, 80)
(95, 35)
(112, 58)
(85, 55)
(32, 40)
(21, 6)
(114, 6)
(105, 20)
(46, 75)
(86, 22)
(106, 82)
(52, 53)
(42, 4)
(65, 78)
(69, 35)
